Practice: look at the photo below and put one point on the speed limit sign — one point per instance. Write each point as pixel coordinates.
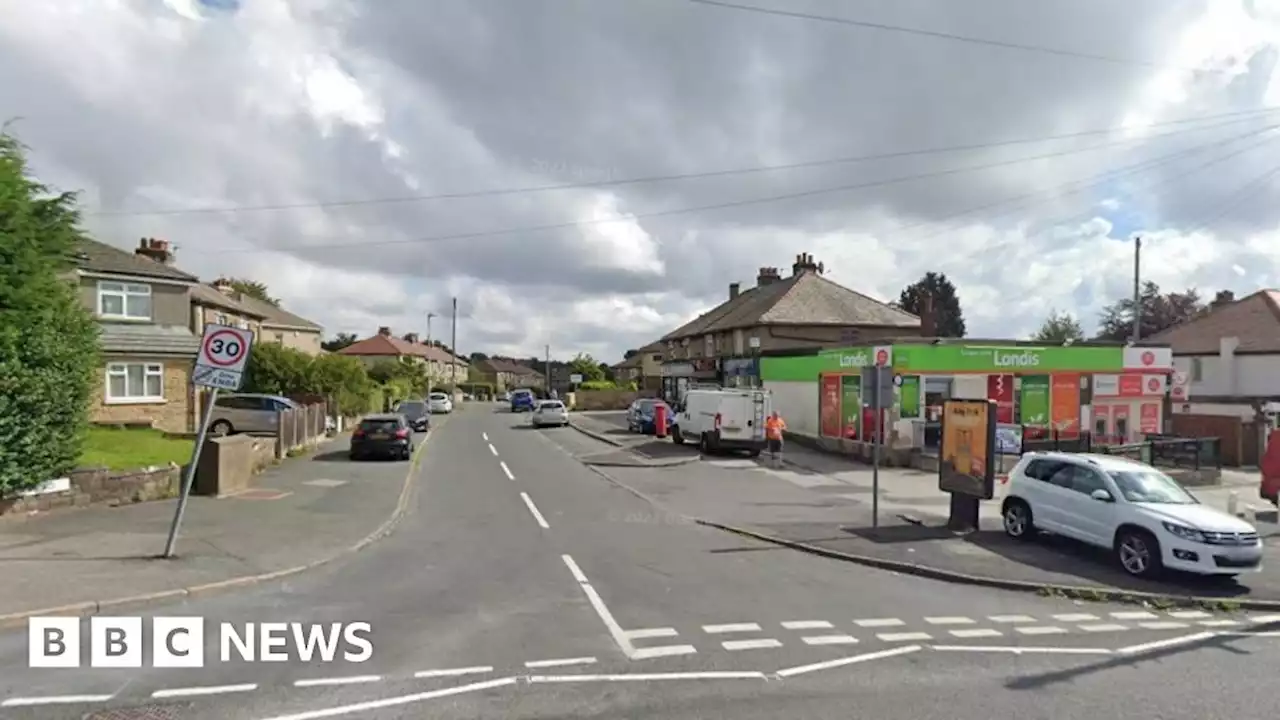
(224, 352)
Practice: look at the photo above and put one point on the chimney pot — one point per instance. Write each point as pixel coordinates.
(411, 338)
(384, 331)
(734, 289)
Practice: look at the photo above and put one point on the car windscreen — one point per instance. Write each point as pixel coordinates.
(438, 396)
(1151, 486)
(380, 425)
(552, 406)
(521, 395)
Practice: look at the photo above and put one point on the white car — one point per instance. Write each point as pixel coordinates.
(1132, 509)
(550, 413)
(438, 402)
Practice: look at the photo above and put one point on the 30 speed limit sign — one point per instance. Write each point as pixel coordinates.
(224, 352)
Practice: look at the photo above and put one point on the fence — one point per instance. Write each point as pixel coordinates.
(299, 428)
(1156, 450)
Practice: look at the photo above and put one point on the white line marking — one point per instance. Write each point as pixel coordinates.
(1040, 630)
(533, 510)
(560, 662)
(485, 435)
(879, 622)
(758, 644)
(493, 450)
(1220, 623)
(207, 690)
(731, 627)
(645, 677)
(1075, 617)
(394, 701)
(54, 700)
(839, 662)
(830, 640)
(807, 625)
(1103, 627)
(1264, 618)
(1189, 614)
(1158, 644)
(1134, 615)
(976, 633)
(1011, 618)
(949, 620)
(602, 610)
(317, 682)
(506, 470)
(904, 637)
(1163, 625)
(1022, 649)
(454, 672)
(662, 651)
(1246, 633)
(650, 633)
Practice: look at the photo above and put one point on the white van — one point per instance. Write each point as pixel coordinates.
(720, 420)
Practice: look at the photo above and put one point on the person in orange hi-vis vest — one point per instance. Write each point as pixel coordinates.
(773, 427)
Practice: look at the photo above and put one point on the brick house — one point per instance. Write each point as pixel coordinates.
(440, 365)
(143, 307)
(802, 311)
(505, 374)
(275, 324)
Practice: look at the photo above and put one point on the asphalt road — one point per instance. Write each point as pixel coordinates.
(526, 584)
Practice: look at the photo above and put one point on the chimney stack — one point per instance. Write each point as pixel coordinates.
(804, 263)
(411, 338)
(384, 331)
(154, 249)
(734, 289)
(1222, 298)
(223, 286)
(928, 320)
(767, 275)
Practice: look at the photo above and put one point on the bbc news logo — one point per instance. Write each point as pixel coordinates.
(179, 642)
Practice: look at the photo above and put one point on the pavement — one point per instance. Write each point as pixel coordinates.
(524, 583)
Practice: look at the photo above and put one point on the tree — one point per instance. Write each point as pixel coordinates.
(586, 366)
(344, 381)
(49, 354)
(253, 289)
(339, 341)
(1160, 311)
(630, 354)
(274, 369)
(478, 357)
(1058, 328)
(948, 317)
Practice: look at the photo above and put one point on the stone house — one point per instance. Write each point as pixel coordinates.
(274, 324)
(505, 374)
(440, 365)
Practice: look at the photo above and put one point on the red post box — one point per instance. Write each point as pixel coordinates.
(660, 420)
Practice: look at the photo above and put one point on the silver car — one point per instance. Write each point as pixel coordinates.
(440, 403)
(248, 413)
(550, 413)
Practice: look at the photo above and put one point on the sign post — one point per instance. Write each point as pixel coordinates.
(220, 364)
(878, 379)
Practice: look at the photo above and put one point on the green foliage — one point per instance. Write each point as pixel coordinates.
(948, 316)
(344, 380)
(403, 373)
(597, 385)
(339, 341)
(48, 340)
(1058, 328)
(254, 289)
(279, 370)
(587, 367)
(1160, 311)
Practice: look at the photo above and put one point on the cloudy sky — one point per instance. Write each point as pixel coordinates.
(370, 159)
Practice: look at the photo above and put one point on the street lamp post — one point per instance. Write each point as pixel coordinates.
(429, 345)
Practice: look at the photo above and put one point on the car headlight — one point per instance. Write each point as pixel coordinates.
(1184, 532)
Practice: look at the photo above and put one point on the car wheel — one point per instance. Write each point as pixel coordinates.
(1017, 520)
(676, 437)
(1138, 553)
(704, 444)
(353, 457)
(220, 428)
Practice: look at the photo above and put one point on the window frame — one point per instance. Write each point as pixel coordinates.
(121, 369)
(106, 288)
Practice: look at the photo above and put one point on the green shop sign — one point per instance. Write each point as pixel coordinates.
(807, 368)
(944, 359)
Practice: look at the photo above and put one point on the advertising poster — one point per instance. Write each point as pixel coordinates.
(909, 397)
(1149, 418)
(1120, 424)
(829, 406)
(966, 460)
(851, 405)
(1035, 401)
(1000, 389)
(1009, 439)
(1064, 412)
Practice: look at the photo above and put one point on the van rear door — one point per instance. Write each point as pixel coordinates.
(736, 417)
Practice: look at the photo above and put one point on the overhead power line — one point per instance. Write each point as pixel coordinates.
(686, 210)
(1239, 117)
(953, 37)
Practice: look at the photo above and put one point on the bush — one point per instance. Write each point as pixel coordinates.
(278, 370)
(597, 385)
(48, 340)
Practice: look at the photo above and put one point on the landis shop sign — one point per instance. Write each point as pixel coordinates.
(946, 359)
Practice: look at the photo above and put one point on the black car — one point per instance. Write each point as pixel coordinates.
(417, 413)
(382, 436)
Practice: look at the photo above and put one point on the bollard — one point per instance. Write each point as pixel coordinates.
(1233, 503)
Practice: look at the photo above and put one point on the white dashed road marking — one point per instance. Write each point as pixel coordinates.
(561, 662)
(507, 470)
(663, 651)
(1011, 618)
(533, 510)
(485, 435)
(976, 633)
(1219, 623)
(830, 640)
(54, 700)
(1104, 627)
(1134, 615)
(454, 672)
(207, 690)
(759, 644)
(879, 622)
(949, 620)
(1189, 614)
(1041, 630)
(905, 637)
(731, 628)
(355, 680)
(807, 625)
(650, 633)
(1075, 617)
(1162, 625)
(493, 450)
(649, 677)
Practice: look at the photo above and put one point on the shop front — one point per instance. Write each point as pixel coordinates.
(740, 372)
(679, 375)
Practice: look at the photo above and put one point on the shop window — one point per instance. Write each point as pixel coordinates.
(1197, 370)
(1100, 427)
(1122, 429)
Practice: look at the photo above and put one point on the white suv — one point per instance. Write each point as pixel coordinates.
(1141, 514)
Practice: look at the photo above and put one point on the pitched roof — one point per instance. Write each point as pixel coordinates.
(637, 359)
(208, 295)
(94, 256)
(381, 345)
(273, 316)
(1254, 320)
(504, 365)
(803, 299)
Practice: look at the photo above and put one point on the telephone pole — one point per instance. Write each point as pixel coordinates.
(1137, 289)
(548, 373)
(453, 343)
(430, 377)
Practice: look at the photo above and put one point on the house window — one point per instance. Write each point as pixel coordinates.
(708, 346)
(220, 319)
(124, 301)
(135, 382)
(1197, 370)
(738, 348)
(280, 337)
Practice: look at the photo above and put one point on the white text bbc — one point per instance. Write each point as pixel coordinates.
(179, 642)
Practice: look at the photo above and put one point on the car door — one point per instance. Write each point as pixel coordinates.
(1041, 495)
(1090, 520)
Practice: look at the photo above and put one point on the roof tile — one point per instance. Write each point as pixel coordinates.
(1254, 320)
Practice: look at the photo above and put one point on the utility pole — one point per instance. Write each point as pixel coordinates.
(453, 363)
(1137, 289)
(430, 376)
(548, 371)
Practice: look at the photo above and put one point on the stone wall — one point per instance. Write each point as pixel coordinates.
(93, 486)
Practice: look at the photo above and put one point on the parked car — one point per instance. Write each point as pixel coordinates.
(440, 403)
(641, 414)
(522, 400)
(1139, 513)
(417, 413)
(386, 435)
(248, 413)
(550, 413)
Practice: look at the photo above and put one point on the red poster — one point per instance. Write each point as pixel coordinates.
(1130, 386)
(829, 406)
(1000, 389)
(1149, 420)
(1064, 404)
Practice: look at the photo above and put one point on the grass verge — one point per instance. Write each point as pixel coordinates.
(132, 448)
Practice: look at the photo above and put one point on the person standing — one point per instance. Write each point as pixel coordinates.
(774, 426)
